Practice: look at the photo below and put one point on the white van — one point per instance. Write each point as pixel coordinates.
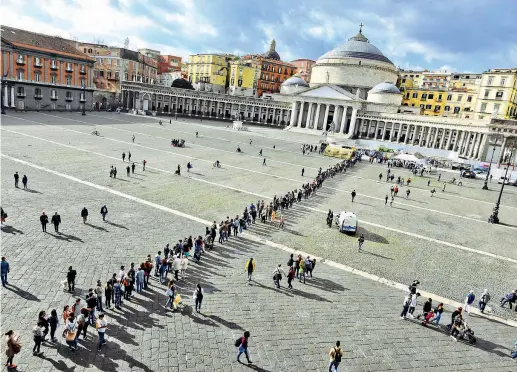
(347, 222)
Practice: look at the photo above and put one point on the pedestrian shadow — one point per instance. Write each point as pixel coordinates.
(370, 236)
(197, 174)
(120, 179)
(68, 238)
(507, 224)
(254, 367)
(274, 289)
(326, 285)
(403, 209)
(225, 323)
(59, 365)
(11, 230)
(186, 310)
(116, 225)
(150, 171)
(96, 227)
(22, 293)
(32, 191)
(369, 205)
(375, 254)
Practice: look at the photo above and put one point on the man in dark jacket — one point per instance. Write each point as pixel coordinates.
(16, 179)
(84, 214)
(44, 220)
(70, 278)
(428, 305)
(56, 220)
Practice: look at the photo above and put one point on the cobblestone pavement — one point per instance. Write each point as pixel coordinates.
(291, 330)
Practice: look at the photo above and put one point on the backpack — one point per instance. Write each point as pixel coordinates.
(238, 342)
(337, 355)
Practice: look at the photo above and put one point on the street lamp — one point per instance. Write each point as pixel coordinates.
(485, 186)
(84, 103)
(494, 218)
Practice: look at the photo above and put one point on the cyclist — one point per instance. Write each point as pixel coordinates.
(217, 164)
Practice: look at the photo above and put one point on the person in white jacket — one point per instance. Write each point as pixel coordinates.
(412, 306)
(277, 275)
(177, 266)
(184, 265)
(198, 297)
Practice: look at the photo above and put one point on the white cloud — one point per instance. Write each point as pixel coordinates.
(190, 23)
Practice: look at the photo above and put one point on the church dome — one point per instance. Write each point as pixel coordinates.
(385, 87)
(182, 83)
(357, 47)
(272, 53)
(295, 80)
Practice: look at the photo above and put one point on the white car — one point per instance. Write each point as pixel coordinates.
(347, 222)
(506, 180)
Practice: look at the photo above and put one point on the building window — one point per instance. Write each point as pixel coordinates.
(469, 99)
(37, 76)
(439, 97)
(37, 93)
(68, 80)
(459, 98)
(449, 97)
(53, 79)
(497, 106)
(53, 64)
(490, 80)
(503, 81)
(83, 83)
(20, 91)
(424, 96)
(447, 108)
(431, 96)
(20, 74)
(53, 94)
(82, 70)
(422, 106)
(456, 110)
(68, 96)
(280, 70)
(428, 107)
(483, 107)
(487, 92)
(68, 66)
(20, 59)
(415, 95)
(499, 94)
(37, 61)
(437, 108)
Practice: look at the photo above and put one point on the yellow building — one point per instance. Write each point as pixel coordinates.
(244, 77)
(209, 72)
(410, 79)
(430, 101)
(497, 95)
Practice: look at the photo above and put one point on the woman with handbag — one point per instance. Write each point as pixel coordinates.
(277, 275)
(70, 332)
(13, 347)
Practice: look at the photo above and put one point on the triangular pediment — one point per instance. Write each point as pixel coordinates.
(330, 92)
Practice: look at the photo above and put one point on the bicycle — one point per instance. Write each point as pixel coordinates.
(217, 164)
(96, 133)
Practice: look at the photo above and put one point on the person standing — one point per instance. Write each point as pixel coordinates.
(438, 313)
(13, 348)
(277, 275)
(198, 297)
(128, 170)
(405, 306)
(184, 265)
(303, 171)
(177, 266)
(428, 183)
(123, 156)
(242, 344)
(101, 325)
(84, 214)
(104, 212)
(144, 163)
(386, 200)
(37, 332)
(360, 242)
(98, 294)
(353, 195)
(4, 270)
(53, 322)
(117, 289)
(444, 184)
(129, 157)
(16, 179)
(250, 268)
(407, 193)
(260, 152)
(133, 138)
(70, 278)
(170, 294)
(139, 277)
(391, 201)
(56, 220)
(439, 176)
(469, 300)
(24, 181)
(133, 166)
(412, 305)
(108, 293)
(335, 353)
(264, 161)
(485, 297)
(290, 277)
(157, 262)
(44, 221)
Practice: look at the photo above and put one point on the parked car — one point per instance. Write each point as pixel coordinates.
(468, 174)
(506, 180)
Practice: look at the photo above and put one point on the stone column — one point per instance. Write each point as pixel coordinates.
(343, 120)
(501, 154)
(462, 141)
(12, 97)
(476, 145)
(353, 119)
(399, 133)
(317, 117)
(408, 130)
(309, 118)
(448, 141)
(482, 146)
(428, 138)
(376, 129)
(474, 140)
(294, 111)
(442, 140)
(300, 115)
(326, 117)
(6, 99)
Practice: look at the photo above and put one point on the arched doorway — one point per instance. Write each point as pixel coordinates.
(145, 102)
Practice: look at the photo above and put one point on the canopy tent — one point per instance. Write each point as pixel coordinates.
(407, 157)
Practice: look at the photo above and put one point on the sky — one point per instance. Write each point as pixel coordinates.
(454, 35)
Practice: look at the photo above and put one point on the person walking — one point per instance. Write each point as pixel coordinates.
(429, 184)
(277, 275)
(16, 179)
(407, 193)
(144, 163)
(133, 167)
(353, 195)
(303, 171)
(104, 212)
(391, 201)
(123, 156)
(360, 242)
(405, 306)
(336, 354)
(260, 152)
(101, 325)
(386, 200)
(250, 268)
(53, 321)
(242, 344)
(129, 157)
(44, 221)
(37, 332)
(439, 176)
(56, 221)
(264, 162)
(4, 270)
(444, 184)
(170, 294)
(84, 214)
(469, 300)
(128, 171)
(483, 300)
(13, 347)
(184, 265)
(290, 277)
(198, 297)
(133, 138)
(24, 181)
(176, 264)
(70, 278)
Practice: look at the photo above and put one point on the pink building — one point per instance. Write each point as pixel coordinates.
(304, 68)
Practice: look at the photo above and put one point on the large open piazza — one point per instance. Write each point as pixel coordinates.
(444, 241)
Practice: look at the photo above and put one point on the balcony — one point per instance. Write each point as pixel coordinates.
(38, 96)
(69, 98)
(82, 99)
(69, 69)
(21, 94)
(54, 66)
(38, 64)
(439, 100)
(20, 61)
(54, 98)
(82, 71)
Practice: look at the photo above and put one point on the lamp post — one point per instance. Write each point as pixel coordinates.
(485, 186)
(494, 218)
(84, 103)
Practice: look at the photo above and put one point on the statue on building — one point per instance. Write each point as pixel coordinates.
(272, 46)
(328, 76)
